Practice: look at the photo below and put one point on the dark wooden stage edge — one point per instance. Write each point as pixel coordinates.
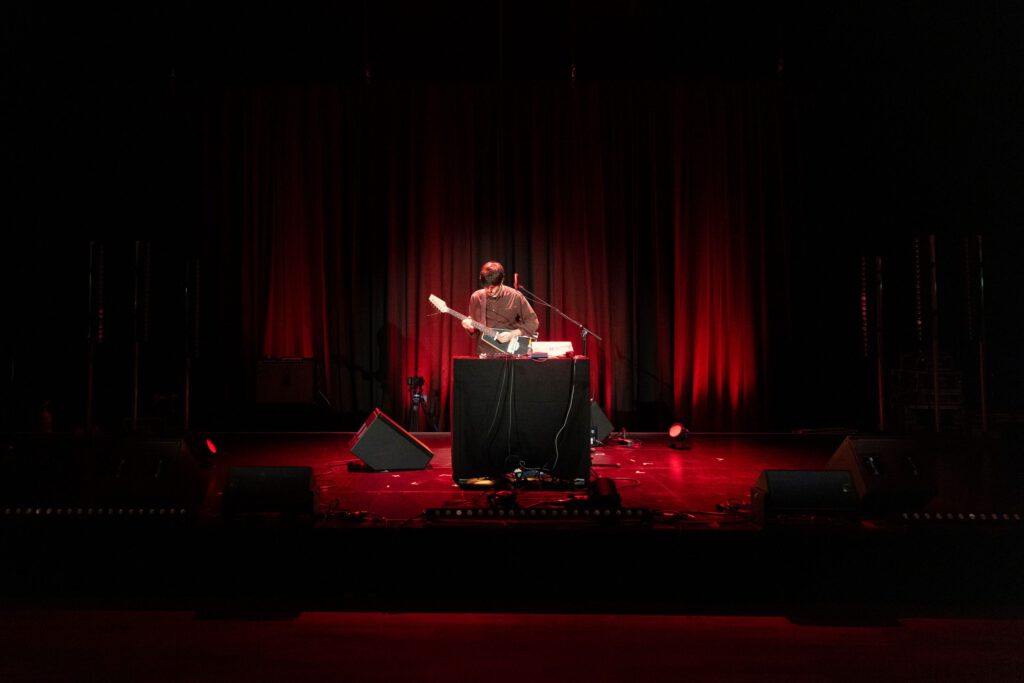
(417, 540)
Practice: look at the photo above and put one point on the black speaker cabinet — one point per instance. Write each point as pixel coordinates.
(43, 469)
(804, 496)
(157, 472)
(600, 425)
(383, 445)
(54, 470)
(285, 491)
(286, 381)
(889, 473)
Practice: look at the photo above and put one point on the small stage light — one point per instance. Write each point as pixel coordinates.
(678, 436)
(202, 447)
(503, 500)
(603, 492)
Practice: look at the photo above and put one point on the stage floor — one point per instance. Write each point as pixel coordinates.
(686, 485)
(705, 486)
(371, 547)
(372, 589)
(76, 645)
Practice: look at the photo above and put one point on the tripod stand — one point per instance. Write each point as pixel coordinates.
(417, 404)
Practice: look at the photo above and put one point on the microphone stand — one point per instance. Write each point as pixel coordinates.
(584, 331)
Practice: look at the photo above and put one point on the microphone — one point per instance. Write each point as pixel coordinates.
(515, 280)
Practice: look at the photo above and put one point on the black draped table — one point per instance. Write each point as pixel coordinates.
(522, 414)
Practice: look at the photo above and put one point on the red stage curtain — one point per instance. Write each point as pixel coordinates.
(651, 213)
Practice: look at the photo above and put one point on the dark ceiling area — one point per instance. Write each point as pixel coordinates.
(534, 39)
(913, 106)
(927, 96)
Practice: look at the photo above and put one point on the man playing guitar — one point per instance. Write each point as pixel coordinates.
(499, 307)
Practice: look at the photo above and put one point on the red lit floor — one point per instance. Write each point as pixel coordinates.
(392, 601)
(111, 646)
(717, 470)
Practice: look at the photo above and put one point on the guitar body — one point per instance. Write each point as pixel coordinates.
(516, 346)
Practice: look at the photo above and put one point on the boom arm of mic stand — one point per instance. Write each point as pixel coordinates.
(584, 330)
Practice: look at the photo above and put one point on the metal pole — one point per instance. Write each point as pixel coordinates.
(981, 340)
(918, 302)
(191, 333)
(188, 346)
(95, 331)
(865, 347)
(90, 338)
(935, 332)
(136, 324)
(879, 344)
(188, 393)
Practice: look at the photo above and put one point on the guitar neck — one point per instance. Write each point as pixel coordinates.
(476, 324)
(517, 345)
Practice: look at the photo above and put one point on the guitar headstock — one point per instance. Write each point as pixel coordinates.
(439, 304)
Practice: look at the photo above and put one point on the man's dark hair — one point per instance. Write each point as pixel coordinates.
(492, 273)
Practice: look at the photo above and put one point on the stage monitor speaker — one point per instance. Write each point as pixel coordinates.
(888, 473)
(286, 491)
(600, 425)
(286, 381)
(161, 472)
(804, 497)
(43, 470)
(383, 445)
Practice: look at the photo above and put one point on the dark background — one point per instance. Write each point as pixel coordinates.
(314, 159)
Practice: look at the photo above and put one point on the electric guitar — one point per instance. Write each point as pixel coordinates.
(516, 346)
